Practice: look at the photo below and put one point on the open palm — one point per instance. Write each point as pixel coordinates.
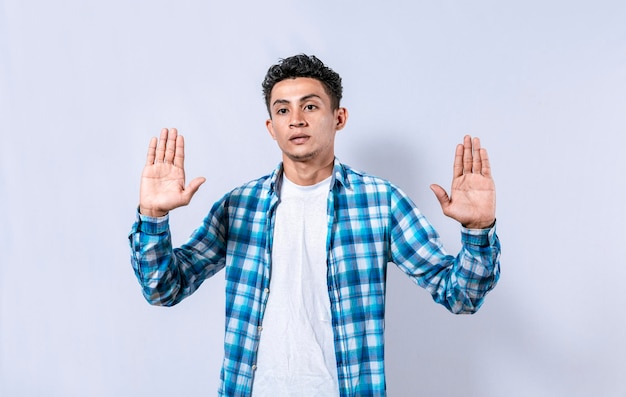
(472, 199)
(163, 178)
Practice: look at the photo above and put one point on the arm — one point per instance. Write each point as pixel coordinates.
(459, 283)
(168, 275)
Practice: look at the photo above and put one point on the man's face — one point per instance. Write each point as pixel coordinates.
(303, 122)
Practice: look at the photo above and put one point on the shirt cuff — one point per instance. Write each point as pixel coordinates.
(151, 225)
(479, 237)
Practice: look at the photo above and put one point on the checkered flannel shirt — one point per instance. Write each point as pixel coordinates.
(370, 223)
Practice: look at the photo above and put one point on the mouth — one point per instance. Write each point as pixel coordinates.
(299, 139)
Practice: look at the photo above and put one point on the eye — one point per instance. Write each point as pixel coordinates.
(310, 107)
(281, 111)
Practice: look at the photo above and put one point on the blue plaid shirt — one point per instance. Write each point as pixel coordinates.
(370, 223)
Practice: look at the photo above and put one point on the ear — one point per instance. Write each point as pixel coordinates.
(341, 118)
(270, 128)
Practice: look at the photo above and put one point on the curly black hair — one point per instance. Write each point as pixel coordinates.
(303, 66)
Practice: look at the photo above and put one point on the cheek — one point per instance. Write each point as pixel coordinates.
(330, 126)
(277, 130)
(323, 123)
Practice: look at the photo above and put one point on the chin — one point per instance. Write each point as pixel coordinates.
(300, 157)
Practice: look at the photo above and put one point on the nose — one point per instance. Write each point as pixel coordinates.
(297, 119)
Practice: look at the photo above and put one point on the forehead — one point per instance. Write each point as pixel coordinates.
(297, 88)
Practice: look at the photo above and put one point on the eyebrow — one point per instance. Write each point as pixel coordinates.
(303, 99)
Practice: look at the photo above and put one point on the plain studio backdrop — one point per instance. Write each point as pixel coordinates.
(84, 85)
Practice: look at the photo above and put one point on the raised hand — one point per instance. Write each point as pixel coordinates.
(163, 178)
(472, 200)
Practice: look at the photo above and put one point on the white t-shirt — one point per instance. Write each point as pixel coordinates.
(296, 355)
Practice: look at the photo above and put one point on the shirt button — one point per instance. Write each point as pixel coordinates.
(260, 328)
(267, 290)
(254, 367)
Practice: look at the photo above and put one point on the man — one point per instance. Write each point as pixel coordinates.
(305, 248)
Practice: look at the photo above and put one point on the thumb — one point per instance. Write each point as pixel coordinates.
(193, 187)
(441, 195)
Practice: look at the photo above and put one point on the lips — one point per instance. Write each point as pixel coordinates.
(299, 139)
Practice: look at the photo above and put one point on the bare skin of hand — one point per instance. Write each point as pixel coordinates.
(472, 199)
(163, 178)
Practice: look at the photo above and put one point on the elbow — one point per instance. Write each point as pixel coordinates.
(157, 298)
(464, 303)
(161, 303)
(460, 308)
(468, 298)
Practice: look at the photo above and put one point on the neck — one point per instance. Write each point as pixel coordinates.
(307, 174)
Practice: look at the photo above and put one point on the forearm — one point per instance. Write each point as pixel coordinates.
(459, 282)
(168, 275)
(153, 260)
(475, 272)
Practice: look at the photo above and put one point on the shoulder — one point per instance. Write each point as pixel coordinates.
(251, 193)
(361, 187)
(263, 183)
(358, 180)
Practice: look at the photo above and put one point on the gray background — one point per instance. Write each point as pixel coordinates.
(84, 85)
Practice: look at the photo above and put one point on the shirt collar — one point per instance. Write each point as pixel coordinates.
(340, 177)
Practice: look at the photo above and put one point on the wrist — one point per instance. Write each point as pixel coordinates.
(480, 225)
(151, 212)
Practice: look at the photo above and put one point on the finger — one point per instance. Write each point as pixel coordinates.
(467, 155)
(457, 169)
(170, 146)
(193, 187)
(476, 166)
(441, 195)
(151, 151)
(179, 157)
(160, 149)
(486, 166)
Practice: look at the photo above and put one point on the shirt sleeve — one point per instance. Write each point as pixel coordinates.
(461, 282)
(167, 275)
